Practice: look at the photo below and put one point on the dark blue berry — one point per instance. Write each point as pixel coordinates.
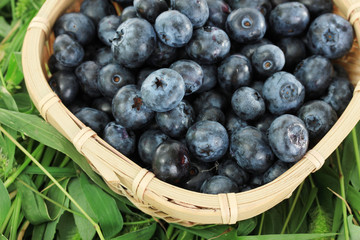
(247, 103)
(128, 108)
(97, 9)
(268, 59)
(209, 78)
(208, 45)
(232, 170)
(330, 36)
(191, 72)
(318, 7)
(163, 90)
(246, 25)
(264, 6)
(54, 65)
(93, 118)
(104, 56)
(276, 170)
(233, 122)
(288, 138)
(150, 9)
(249, 49)
(107, 28)
(176, 122)
(103, 104)
(199, 172)
(173, 28)
(134, 41)
(171, 162)
(67, 51)
(149, 142)
(143, 74)
(163, 55)
(289, 19)
(315, 73)
(87, 74)
(294, 51)
(196, 10)
(219, 184)
(234, 71)
(211, 98)
(264, 122)
(283, 93)
(218, 13)
(212, 114)
(77, 25)
(112, 77)
(65, 85)
(250, 149)
(127, 13)
(208, 141)
(122, 139)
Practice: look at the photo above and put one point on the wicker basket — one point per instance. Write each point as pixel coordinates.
(149, 194)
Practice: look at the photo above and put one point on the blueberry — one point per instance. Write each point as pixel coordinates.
(133, 43)
(120, 138)
(196, 10)
(219, 184)
(103, 104)
(318, 7)
(104, 56)
(330, 36)
(65, 85)
(283, 93)
(67, 51)
(87, 74)
(264, 122)
(256, 180)
(54, 65)
(234, 71)
(288, 138)
(289, 19)
(209, 78)
(76, 25)
(233, 122)
(250, 149)
(294, 51)
(143, 74)
(149, 142)
(93, 118)
(176, 122)
(191, 72)
(249, 49)
(340, 71)
(246, 25)
(268, 59)
(107, 28)
(127, 13)
(339, 94)
(171, 162)
(97, 9)
(318, 117)
(163, 55)
(208, 45)
(77, 105)
(212, 114)
(208, 141)
(163, 90)
(218, 13)
(258, 86)
(128, 108)
(247, 103)
(232, 170)
(315, 73)
(199, 172)
(264, 6)
(276, 170)
(209, 99)
(150, 9)
(112, 77)
(173, 28)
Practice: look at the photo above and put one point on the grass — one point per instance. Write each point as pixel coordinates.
(48, 191)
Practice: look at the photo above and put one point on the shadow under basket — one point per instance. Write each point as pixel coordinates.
(140, 186)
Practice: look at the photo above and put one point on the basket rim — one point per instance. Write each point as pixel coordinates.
(148, 193)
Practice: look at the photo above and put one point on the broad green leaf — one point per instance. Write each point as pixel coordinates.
(58, 196)
(33, 206)
(2, 237)
(143, 234)
(23, 102)
(51, 226)
(310, 199)
(67, 229)
(215, 231)
(348, 163)
(38, 232)
(338, 217)
(276, 215)
(104, 206)
(4, 3)
(4, 26)
(5, 202)
(353, 198)
(246, 227)
(354, 231)
(14, 75)
(85, 228)
(184, 235)
(39, 130)
(159, 233)
(299, 236)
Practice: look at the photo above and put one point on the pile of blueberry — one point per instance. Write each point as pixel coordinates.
(214, 96)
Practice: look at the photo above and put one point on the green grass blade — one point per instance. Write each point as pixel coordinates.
(5, 203)
(15, 219)
(246, 227)
(217, 232)
(66, 228)
(299, 236)
(55, 171)
(143, 234)
(104, 207)
(310, 199)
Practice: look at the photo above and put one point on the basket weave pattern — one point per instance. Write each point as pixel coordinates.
(140, 186)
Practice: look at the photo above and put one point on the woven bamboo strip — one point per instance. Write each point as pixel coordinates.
(149, 194)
